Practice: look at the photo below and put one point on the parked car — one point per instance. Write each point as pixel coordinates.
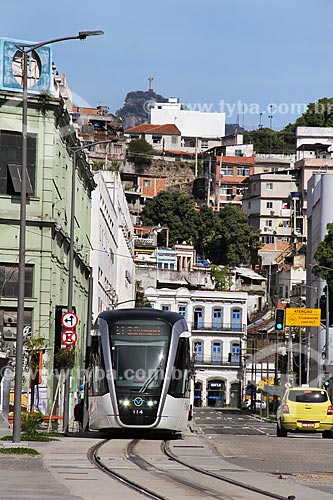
(305, 410)
(246, 405)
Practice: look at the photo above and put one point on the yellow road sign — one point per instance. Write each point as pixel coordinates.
(302, 317)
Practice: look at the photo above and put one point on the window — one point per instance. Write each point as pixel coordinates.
(8, 323)
(9, 280)
(174, 140)
(226, 190)
(235, 353)
(189, 142)
(269, 204)
(147, 183)
(11, 161)
(243, 171)
(204, 143)
(198, 318)
(157, 139)
(267, 239)
(240, 190)
(117, 149)
(269, 186)
(165, 307)
(227, 170)
(198, 352)
(182, 311)
(249, 204)
(216, 353)
(268, 222)
(236, 319)
(217, 318)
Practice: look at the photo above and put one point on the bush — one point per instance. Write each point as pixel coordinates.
(30, 421)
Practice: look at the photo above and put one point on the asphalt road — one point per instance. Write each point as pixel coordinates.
(248, 441)
(233, 422)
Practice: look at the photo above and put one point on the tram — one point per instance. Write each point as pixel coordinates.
(138, 371)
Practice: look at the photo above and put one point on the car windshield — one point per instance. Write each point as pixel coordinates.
(307, 396)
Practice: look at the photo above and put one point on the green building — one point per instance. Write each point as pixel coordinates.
(50, 135)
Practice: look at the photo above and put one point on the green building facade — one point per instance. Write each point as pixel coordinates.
(50, 135)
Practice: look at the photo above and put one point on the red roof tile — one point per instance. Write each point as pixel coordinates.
(237, 160)
(147, 128)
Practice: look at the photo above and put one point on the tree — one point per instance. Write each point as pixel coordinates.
(140, 299)
(324, 257)
(174, 210)
(140, 152)
(236, 238)
(225, 238)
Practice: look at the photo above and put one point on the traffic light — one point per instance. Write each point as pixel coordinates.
(280, 315)
(326, 384)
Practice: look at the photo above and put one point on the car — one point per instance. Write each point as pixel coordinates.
(305, 409)
(246, 405)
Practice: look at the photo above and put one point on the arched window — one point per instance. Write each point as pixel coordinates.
(216, 353)
(198, 352)
(217, 318)
(235, 353)
(236, 319)
(198, 318)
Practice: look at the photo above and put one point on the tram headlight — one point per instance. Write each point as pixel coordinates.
(125, 402)
(150, 404)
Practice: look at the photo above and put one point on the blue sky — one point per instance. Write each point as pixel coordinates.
(220, 55)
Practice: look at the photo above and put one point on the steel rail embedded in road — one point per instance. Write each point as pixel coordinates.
(166, 449)
(95, 460)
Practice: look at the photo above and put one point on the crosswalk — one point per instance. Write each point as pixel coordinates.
(231, 422)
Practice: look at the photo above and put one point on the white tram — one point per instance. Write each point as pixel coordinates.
(139, 370)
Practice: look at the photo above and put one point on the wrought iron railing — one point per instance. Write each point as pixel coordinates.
(217, 327)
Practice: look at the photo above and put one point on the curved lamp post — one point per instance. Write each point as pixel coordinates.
(26, 49)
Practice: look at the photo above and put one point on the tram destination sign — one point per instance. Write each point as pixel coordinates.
(302, 317)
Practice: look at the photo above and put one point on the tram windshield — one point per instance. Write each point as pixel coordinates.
(139, 352)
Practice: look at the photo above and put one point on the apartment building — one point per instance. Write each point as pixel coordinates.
(268, 205)
(51, 138)
(217, 322)
(112, 249)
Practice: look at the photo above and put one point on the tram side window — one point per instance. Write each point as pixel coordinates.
(97, 376)
(179, 384)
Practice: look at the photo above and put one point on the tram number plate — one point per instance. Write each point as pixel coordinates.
(137, 412)
(308, 424)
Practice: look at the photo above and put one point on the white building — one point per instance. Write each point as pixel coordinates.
(199, 130)
(217, 321)
(112, 249)
(319, 213)
(314, 142)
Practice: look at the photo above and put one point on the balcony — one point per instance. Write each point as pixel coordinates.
(200, 326)
(232, 360)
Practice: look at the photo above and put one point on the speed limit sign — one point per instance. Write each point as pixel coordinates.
(68, 337)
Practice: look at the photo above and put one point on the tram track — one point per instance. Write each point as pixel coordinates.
(163, 469)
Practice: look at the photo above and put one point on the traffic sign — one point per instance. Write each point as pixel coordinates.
(69, 320)
(302, 317)
(68, 337)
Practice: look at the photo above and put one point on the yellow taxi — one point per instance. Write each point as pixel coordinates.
(305, 409)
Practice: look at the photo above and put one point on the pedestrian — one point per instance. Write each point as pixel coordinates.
(78, 414)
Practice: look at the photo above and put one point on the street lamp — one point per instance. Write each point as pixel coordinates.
(26, 49)
(74, 150)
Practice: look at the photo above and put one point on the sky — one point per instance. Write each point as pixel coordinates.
(242, 57)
